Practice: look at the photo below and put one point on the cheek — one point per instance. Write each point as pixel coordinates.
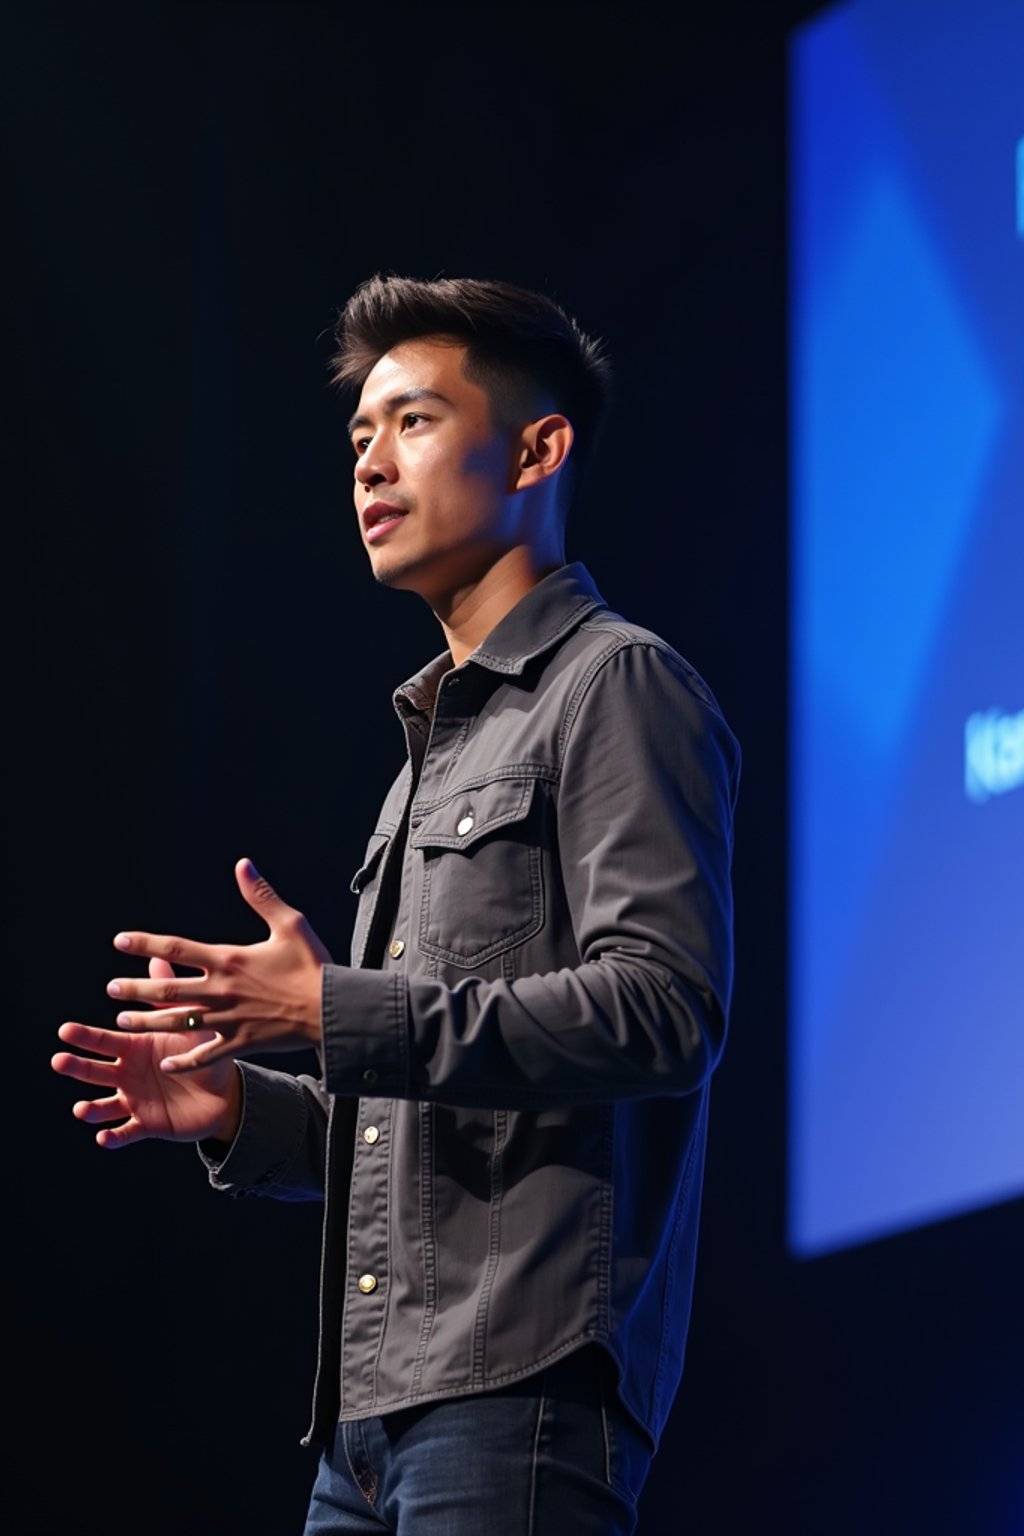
(431, 466)
(464, 487)
(488, 461)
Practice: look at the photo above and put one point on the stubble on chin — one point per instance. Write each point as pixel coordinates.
(392, 573)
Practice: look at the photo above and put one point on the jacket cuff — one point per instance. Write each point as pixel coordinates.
(270, 1134)
(365, 1045)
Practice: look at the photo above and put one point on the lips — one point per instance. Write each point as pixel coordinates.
(379, 516)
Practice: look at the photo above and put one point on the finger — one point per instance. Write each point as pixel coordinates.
(121, 1135)
(163, 946)
(165, 1020)
(215, 1049)
(161, 970)
(99, 1111)
(161, 992)
(86, 1037)
(262, 897)
(84, 1069)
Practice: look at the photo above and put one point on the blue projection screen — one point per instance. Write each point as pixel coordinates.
(906, 917)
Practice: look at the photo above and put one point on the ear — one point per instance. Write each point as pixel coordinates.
(542, 449)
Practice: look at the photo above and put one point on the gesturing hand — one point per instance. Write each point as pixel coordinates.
(147, 1101)
(255, 997)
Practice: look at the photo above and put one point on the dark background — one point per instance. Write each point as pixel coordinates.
(200, 667)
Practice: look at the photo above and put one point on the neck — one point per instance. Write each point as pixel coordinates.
(468, 615)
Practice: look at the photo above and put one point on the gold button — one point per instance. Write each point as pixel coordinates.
(367, 1283)
(371, 1135)
(465, 825)
(396, 948)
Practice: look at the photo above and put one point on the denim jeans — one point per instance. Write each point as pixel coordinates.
(552, 1454)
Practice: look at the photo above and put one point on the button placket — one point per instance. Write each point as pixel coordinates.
(397, 945)
(368, 1244)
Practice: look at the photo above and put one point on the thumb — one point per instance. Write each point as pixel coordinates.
(261, 896)
(161, 970)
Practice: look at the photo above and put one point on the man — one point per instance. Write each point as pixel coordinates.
(509, 1119)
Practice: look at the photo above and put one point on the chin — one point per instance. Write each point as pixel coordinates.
(395, 573)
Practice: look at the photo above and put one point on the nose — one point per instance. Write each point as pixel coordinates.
(376, 466)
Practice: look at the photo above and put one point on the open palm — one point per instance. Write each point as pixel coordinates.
(144, 1100)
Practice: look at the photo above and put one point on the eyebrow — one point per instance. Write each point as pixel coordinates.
(395, 403)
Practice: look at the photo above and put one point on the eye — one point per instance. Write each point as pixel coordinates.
(360, 444)
(411, 418)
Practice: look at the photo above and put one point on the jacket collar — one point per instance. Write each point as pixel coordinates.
(548, 612)
(542, 618)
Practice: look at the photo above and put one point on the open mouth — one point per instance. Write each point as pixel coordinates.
(381, 519)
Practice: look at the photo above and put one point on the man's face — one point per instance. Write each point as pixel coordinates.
(433, 475)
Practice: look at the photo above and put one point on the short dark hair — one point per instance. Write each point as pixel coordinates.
(522, 348)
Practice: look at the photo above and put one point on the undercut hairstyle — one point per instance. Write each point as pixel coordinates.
(522, 350)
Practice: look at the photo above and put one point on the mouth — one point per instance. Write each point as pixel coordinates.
(379, 517)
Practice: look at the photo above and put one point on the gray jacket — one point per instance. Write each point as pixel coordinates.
(510, 1116)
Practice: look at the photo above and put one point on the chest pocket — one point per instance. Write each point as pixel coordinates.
(482, 873)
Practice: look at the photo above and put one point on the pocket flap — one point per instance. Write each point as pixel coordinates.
(374, 849)
(473, 813)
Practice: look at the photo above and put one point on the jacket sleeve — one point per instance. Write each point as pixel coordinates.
(280, 1147)
(645, 804)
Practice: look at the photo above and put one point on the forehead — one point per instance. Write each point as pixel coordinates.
(427, 363)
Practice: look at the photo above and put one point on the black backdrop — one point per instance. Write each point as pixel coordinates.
(200, 667)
